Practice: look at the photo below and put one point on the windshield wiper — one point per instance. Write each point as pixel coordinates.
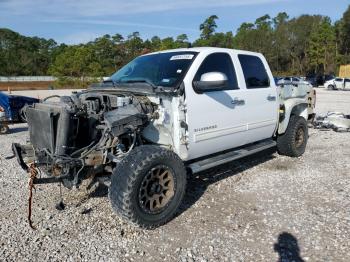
(141, 81)
(109, 81)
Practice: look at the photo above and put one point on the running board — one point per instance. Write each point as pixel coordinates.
(232, 155)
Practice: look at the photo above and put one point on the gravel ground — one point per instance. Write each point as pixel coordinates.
(264, 208)
(329, 100)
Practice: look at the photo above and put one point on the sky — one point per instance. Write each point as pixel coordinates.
(80, 21)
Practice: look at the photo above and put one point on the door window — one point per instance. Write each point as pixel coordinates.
(219, 62)
(254, 72)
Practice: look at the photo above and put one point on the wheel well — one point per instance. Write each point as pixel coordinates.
(300, 110)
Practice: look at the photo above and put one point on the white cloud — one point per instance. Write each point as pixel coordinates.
(117, 23)
(91, 8)
(78, 38)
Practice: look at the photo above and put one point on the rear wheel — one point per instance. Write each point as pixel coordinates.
(293, 141)
(148, 186)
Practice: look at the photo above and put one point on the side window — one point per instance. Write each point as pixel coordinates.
(219, 62)
(254, 72)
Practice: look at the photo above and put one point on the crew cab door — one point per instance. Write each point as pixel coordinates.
(216, 119)
(261, 97)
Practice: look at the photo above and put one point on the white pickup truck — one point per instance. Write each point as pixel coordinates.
(159, 117)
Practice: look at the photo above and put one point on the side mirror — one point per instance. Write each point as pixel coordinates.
(212, 81)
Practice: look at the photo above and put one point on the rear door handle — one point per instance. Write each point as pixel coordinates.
(238, 102)
(271, 98)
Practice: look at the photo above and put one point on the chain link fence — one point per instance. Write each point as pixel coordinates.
(27, 78)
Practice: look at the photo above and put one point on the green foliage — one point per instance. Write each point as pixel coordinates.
(182, 41)
(298, 46)
(76, 66)
(292, 46)
(20, 55)
(208, 27)
(321, 47)
(344, 35)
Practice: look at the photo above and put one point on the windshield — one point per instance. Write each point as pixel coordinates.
(162, 69)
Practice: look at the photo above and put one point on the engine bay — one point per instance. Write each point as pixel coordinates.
(74, 137)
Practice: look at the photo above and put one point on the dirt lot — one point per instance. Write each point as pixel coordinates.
(262, 208)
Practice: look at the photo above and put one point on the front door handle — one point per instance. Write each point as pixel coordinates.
(238, 102)
(271, 98)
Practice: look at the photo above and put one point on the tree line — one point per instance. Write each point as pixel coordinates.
(304, 45)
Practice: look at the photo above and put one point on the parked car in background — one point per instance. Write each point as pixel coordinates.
(338, 83)
(318, 80)
(11, 110)
(291, 80)
(4, 128)
(312, 81)
(276, 79)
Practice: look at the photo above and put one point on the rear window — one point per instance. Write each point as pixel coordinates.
(254, 72)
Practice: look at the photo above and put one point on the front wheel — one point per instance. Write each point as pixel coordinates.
(293, 142)
(148, 186)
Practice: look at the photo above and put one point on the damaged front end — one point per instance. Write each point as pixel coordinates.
(82, 136)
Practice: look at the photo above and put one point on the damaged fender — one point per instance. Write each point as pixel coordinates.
(296, 106)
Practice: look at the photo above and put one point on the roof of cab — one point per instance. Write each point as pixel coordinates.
(205, 50)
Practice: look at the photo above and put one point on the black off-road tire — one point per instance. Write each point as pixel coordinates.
(289, 144)
(4, 129)
(128, 178)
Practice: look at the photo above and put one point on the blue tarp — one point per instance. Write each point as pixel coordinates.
(5, 104)
(13, 104)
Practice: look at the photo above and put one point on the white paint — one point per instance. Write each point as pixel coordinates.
(214, 123)
(236, 125)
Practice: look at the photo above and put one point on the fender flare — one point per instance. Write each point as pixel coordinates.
(297, 107)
